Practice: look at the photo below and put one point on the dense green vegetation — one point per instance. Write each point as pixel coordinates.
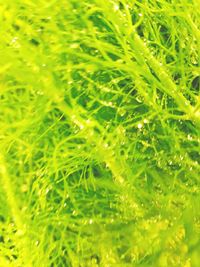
(99, 133)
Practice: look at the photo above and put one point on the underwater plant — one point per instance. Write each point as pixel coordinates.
(100, 133)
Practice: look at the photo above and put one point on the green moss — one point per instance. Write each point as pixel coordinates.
(99, 133)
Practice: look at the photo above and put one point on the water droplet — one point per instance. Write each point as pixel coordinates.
(110, 104)
(24, 188)
(81, 126)
(106, 145)
(20, 232)
(186, 103)
(40, 93)
(88, 121)
(122, 112)
(140, 125)
(74, 212)
(47, 190)
(74, 45)
(146, 121)
(15, 42)
(116, 7)
(107, 165)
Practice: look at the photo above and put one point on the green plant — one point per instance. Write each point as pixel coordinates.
(99, 133)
